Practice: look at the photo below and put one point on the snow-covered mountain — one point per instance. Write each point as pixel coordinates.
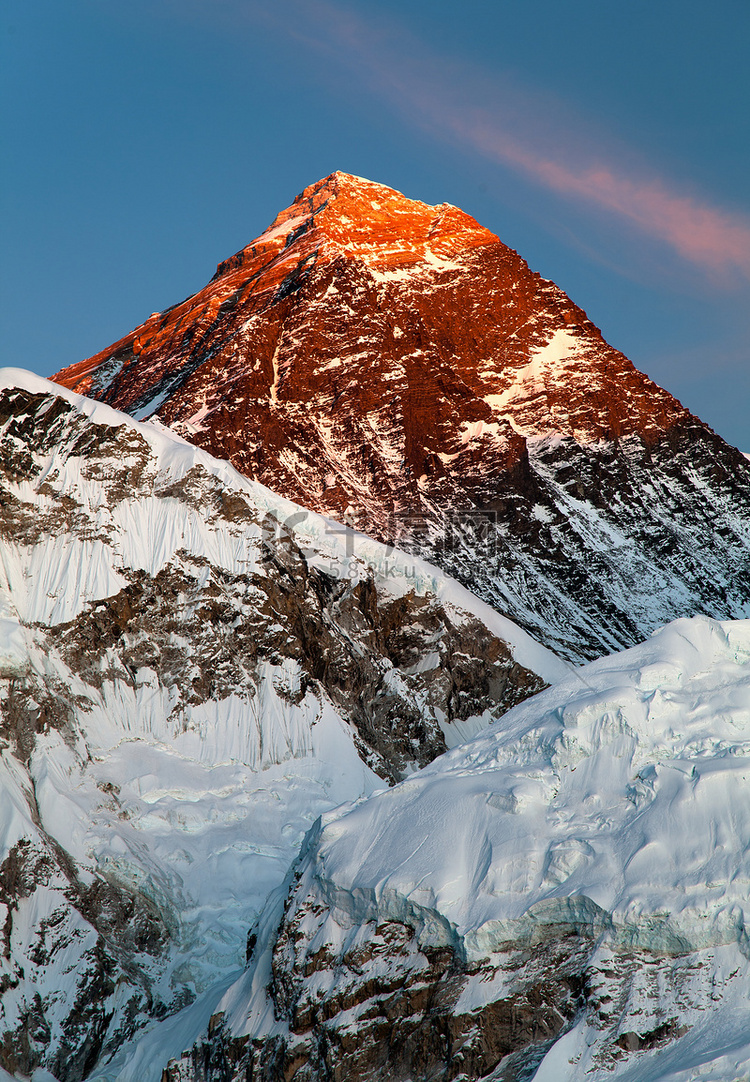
(198, 678)
(373, 357)
(192, 669)
(281, 802)
(563, 897)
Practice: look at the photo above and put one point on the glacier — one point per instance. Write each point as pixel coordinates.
(584, 860)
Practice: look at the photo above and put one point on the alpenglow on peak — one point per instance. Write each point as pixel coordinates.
(371, 352)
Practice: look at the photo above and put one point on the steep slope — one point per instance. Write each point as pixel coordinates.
(563, 897)
(377, 358)
(191, 670)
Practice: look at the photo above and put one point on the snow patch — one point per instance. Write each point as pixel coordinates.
(545, 365)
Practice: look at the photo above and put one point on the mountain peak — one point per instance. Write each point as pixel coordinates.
(392, 363)
(350, 215)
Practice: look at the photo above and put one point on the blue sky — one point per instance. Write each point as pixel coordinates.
(608, 143)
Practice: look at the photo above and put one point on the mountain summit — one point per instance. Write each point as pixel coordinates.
(395, 364)
(367, 221)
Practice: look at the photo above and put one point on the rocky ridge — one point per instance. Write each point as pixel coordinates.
(191, 669)
(374, 357)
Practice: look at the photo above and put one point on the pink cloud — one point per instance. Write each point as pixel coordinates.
(697, 231)
(447, 100)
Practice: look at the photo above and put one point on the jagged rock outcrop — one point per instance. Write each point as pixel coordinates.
(376, 357)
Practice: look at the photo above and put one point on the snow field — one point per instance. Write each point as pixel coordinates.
(615, 804)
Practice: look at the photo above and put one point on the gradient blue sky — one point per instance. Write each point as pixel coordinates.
(607, 142)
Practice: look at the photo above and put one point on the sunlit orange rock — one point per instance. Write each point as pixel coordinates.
(373, 353)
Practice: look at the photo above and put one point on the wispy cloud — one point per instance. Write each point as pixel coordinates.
(697, 231)
(449, 101)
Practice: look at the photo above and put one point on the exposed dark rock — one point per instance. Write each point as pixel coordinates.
(637, 1042)
(345, 637)
(127, 928)
(387, 1010)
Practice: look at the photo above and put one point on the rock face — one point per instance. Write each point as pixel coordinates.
(563, 897)
(375, 358)
(191, 670)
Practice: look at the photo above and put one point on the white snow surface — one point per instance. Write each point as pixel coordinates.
(617, 801)
(547, 363)
(628, 785)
